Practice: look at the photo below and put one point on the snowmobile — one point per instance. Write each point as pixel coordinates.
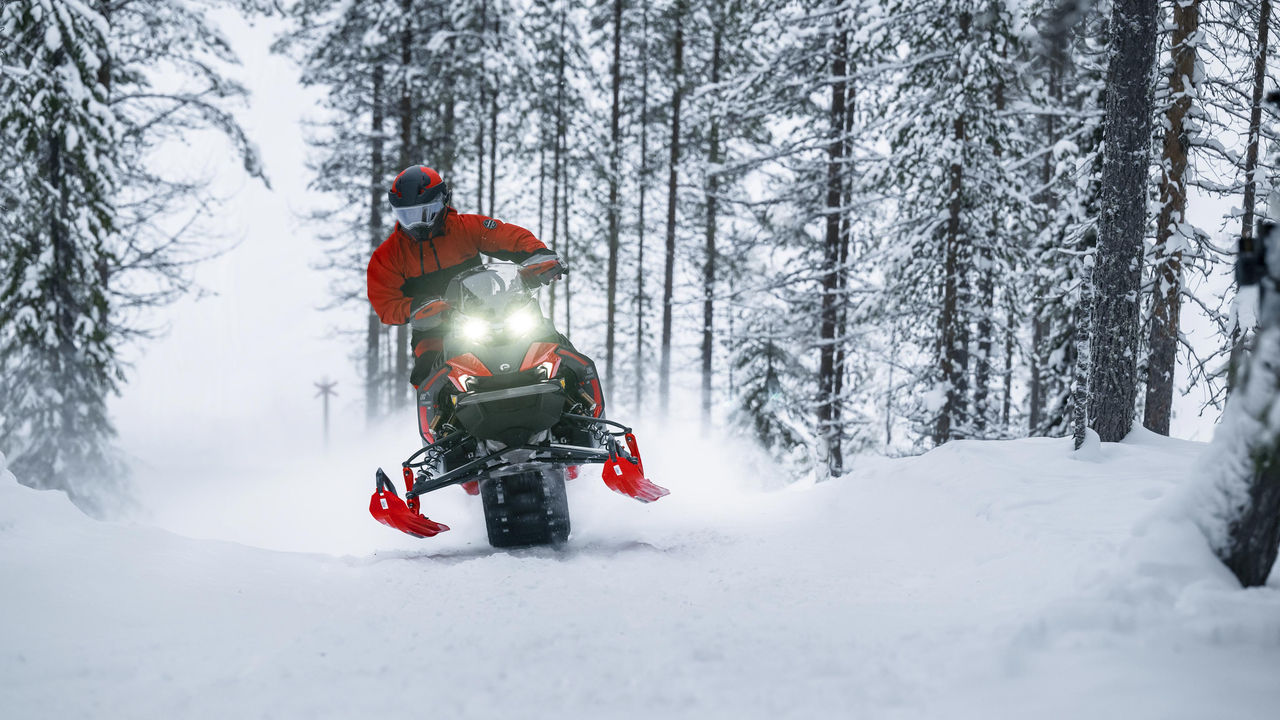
(512, 411)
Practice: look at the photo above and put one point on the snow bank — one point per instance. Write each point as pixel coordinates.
(979, 580)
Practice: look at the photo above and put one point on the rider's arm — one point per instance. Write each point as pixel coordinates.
(385, 282)
(503, 241)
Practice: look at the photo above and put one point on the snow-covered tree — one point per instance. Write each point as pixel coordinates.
(1237, 494)
(1066, 69)
(59, 354)
(959, 216)
(91, 233)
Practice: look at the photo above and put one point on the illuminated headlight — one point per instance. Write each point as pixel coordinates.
(546, 369)
(475, 328)
(522, 321)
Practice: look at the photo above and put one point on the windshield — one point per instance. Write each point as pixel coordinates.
(491, 291)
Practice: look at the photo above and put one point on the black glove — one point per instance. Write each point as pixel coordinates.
(428, 314)
(543, 268)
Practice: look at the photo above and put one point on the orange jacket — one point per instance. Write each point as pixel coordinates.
(404, 271)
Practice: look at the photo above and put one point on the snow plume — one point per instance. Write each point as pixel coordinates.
(280, 491)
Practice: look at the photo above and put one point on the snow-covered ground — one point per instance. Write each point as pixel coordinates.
(1006, 579)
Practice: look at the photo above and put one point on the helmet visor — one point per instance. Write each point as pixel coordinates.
(419, 215)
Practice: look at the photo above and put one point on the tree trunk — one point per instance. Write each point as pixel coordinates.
(953, 336)
(828, 413)
(952, 358)
(986, 329)
(1010, 330)
(709, 264)
(567, 249)
(673, 177)
(449, 146)
(987, 292)
(64, 304)
(557, 157)
(493, 153)
(1117, 273)
(888, 388)
(1251, 168)
(493, 126)
(842, 260)
(639, 371)
(615, 161)
(1166, 295)
(1039, 330)
(480, 156)
(407, 157)
(373, 373)
(542, 178)
(1081, 392)
(1040, 327)
(481, 107)
(1255, 121)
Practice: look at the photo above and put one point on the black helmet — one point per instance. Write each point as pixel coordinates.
(420, 199)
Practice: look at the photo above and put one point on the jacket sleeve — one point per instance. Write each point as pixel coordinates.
(385, 282)
(505, 241)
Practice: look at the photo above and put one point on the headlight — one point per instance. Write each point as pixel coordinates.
(522, 321)
(475, 328)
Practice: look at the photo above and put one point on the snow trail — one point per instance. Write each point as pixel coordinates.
(981, 579)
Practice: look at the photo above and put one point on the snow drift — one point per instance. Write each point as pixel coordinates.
(984, 579)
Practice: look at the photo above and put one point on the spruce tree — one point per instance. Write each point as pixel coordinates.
(87, 233)
(60, 356)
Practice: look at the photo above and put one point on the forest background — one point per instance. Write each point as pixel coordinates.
(831, 227)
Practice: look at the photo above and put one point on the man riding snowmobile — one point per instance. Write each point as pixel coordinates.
(430, 245)
(514, 409)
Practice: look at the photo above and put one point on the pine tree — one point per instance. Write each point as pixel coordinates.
(59, 354)
(87, 227)
(960, 221)
(1065, 92)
